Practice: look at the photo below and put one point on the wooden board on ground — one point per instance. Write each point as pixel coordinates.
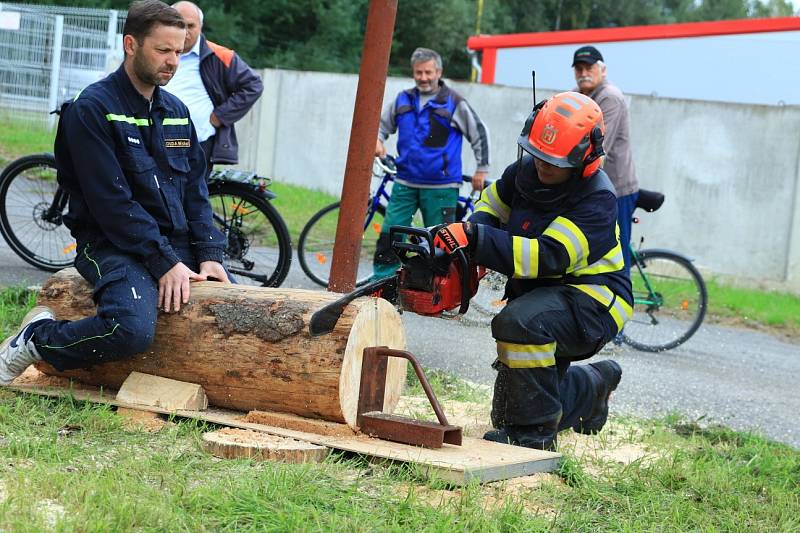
(169, 394)
(235, 443)
(476, 459)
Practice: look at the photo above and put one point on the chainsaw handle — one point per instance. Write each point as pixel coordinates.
(400, 246)
(406, 247)
(466, 278)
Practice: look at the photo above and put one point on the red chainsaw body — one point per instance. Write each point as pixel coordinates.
(439, 293)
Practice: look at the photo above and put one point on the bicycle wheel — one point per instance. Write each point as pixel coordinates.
(259, 250)
(31, 210)
(489, 298)
(670, 300)
(315, 245)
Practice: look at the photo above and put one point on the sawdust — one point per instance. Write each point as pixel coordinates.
(258, 439)
(35, 378)
(472, 417)
(235, 443)
(598, 453)
(493, 496)
(615, 445)
(136, 420)
(299, 423)
(51, 512)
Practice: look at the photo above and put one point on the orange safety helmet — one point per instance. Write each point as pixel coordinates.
(566, 131)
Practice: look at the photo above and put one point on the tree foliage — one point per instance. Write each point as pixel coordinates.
(327, 35)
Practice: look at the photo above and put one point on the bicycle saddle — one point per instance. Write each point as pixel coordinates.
(649, 200)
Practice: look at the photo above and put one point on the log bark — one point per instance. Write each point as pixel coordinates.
(249, 347)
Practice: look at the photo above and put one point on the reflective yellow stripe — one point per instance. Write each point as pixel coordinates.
(130, 120)
(526, 257)
(621, 312)
(526, 355)
(613, 261)
(176, 121)
(491, 203)
(572, 238)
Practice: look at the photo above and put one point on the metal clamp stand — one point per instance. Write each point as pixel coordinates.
(374, 422)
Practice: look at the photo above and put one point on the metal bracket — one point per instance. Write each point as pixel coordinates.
(374, 422)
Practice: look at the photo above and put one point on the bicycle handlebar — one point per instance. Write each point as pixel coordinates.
(386, 164)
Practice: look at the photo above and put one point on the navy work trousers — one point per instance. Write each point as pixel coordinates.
(626, 205)
(580, 326)
(126, 295)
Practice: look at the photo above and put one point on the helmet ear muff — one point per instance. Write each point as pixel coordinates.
(526, 128)
(592, 162)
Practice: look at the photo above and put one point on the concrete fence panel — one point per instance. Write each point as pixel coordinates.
(729, 171)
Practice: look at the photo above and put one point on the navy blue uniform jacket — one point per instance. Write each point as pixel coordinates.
(574, 244)
(135, 174)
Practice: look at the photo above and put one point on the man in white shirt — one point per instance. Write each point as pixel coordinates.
(217, 86)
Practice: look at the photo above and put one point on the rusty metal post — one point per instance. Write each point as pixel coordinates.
(364, 134)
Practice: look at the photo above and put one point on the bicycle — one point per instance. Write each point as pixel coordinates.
(315, 245)
(670, 298)
(32, 206)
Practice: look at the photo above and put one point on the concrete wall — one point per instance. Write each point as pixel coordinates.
(730, 171)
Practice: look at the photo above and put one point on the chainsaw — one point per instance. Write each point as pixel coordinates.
(429, 282)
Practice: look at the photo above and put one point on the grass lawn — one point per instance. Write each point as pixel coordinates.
(19, 138)
(73, 466)
(67, 465)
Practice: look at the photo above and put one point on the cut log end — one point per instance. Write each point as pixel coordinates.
(232, 443)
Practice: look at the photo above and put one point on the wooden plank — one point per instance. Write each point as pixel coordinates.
(476, 459)
(170, 394)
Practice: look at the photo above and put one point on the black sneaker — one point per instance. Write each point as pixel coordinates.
(608, 376)
(539, 437)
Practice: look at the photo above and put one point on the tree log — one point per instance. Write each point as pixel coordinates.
(249, 347)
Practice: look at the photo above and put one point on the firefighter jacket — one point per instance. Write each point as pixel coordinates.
(135, 175)
(575, 243)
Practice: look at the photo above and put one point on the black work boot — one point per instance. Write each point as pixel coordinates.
(605, 376)
(539, 436)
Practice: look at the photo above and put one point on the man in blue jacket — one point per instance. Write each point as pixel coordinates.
(128, 156)
(430, 120)
(217, 86)
(550, 224)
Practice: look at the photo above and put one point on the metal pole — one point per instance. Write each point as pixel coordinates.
(361, 151)
(55, 67)
(111, 31)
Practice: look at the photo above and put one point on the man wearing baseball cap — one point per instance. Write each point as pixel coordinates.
(590, 75)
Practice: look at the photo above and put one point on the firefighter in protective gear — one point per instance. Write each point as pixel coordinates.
(550, 224)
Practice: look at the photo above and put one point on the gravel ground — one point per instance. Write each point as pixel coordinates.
(737, 377)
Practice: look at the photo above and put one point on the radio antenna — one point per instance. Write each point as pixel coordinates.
(533, 86)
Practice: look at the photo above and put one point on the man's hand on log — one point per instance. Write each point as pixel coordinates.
(173, 287)
(213, 270)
